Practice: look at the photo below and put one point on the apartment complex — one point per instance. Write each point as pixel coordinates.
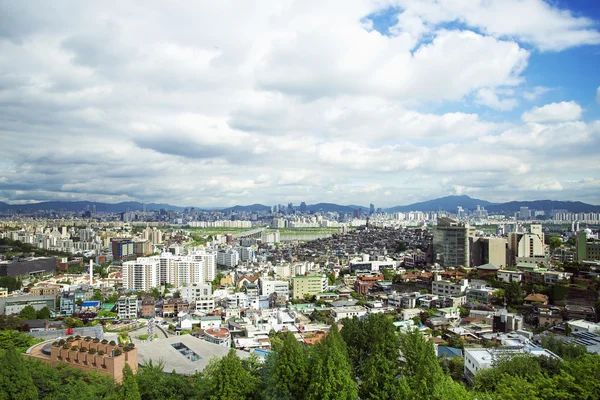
(148, 272)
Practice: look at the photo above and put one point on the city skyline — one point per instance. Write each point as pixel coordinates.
(350, 103)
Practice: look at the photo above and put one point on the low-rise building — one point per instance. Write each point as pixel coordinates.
(220, 336)
(509, 276)
(339, 313)
(127, 307)
(449, 288)
(309, 285)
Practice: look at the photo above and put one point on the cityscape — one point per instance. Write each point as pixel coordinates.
(300, 200)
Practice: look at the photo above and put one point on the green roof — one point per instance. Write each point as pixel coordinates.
(108, 306)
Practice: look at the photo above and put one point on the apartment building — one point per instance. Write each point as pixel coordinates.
(309, 285)
(127, 307)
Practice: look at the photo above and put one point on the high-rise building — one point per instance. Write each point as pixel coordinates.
(524, 213)
(303, 207)
(527, 247)
(587, 245)
(486, 250)
(371, 209)
(141, 274)
(451, 243)
(228, 258)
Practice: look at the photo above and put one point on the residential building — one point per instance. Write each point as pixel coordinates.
(127, 307)
(509, 276)
(448, 288)
(480, 292)
(270, 286)
(309, 285)
(122, 249)
(141, 274)
(195, 291)
(229, 258)
(3, 292)
(339, 313)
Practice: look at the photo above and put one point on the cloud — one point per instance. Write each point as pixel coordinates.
(598, 95)
(285, 102)
(535, 93)
(488, 97)
(535, 22)
(553, 112)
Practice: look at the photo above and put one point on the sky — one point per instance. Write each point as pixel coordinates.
(390, 102)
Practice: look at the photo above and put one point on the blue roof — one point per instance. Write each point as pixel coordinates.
(449, 352)
(90, 304)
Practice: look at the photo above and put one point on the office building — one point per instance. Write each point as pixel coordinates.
(451, 243)
(527, 247)
(486, 250)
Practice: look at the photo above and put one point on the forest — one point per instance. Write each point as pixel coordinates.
(367, 359)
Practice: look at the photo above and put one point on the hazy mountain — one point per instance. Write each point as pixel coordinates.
(74, 206)
(544, 205)
(250, 208)
(331, 207)
(448, 203)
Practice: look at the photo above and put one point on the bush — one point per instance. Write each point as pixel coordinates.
(96, 340)
(55, 344)
(61, 342)
(88, 339)
(70, 339)
(74, 348)
(112, 343)
(66, 346)
(104, 341)
(92, 351)
(100, 352)
(82, 350)
(77, 337)
(117, 353)
(143, 337)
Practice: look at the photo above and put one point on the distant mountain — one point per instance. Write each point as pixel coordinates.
(331, 207)
(448, 203)
(543, 205)
(74, 206)
(250, 208)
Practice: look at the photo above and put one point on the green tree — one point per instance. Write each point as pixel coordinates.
(15, 381)
(373, 351)
(43, 313)
(514, 294)
(10, 283)
(28, 312)
(287, 371)
(226, 379)
(331, 370)
(554, 242)
(564, 350)
(129, 388)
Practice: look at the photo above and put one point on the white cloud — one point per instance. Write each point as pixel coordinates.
(535, 93)
(281, 102)
(537, 22)
(488, 97)
(553, 112)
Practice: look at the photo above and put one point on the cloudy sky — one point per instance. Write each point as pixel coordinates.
(215, 103)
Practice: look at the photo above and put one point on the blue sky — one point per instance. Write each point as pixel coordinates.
(386, 102)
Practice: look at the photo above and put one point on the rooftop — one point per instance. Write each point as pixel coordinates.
(177, 361)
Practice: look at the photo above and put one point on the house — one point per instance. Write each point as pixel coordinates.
(536, 298)
(580, 325)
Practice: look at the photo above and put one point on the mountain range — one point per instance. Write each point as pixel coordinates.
(448, 203)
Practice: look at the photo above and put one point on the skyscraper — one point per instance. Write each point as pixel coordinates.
(371, 209)
(451, 243)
